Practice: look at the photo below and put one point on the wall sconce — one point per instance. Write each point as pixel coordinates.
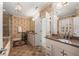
(33, 19)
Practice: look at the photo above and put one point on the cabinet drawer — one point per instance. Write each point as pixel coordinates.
(69, 53)
(72, 49)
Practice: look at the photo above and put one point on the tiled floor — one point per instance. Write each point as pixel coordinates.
(25, 50)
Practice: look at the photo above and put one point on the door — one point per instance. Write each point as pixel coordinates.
(45, 29)
(38, 30)
(44, 24)
(1, 26)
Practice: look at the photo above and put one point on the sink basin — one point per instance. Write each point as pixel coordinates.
(64, 40)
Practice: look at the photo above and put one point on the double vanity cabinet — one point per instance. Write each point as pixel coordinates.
(55, 48)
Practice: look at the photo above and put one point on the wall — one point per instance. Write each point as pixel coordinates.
(1, 25)
(54, 24)
(76, 26)
(50, 10)
(20, 21)
(32, 25)
(5, 25)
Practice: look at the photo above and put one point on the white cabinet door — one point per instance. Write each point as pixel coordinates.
(60, 49)
(48, 23)
(69, 53)
(49, 49)
(38, 40)
(31, 39)
(1, 25)
(53, 48)
(44, 32)
(71, 50)
(38, 30)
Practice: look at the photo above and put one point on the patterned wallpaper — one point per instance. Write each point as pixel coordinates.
(23, 22)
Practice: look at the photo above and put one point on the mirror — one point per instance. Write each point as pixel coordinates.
(76, 26)
(65, 26)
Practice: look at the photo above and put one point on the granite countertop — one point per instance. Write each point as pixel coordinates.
(73, 41)
(31, 32)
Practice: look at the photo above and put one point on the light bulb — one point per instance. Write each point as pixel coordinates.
(33, 19)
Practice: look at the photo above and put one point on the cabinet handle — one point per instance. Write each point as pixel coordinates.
(62, 52)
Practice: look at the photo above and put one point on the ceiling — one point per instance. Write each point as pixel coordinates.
(67, 10)
(28, 8)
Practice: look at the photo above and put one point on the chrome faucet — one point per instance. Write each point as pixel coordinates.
(67, 36)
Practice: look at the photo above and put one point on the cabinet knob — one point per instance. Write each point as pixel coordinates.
(62, 52)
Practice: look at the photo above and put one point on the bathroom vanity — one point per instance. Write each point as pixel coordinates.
(58, 47)
(66, 41)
